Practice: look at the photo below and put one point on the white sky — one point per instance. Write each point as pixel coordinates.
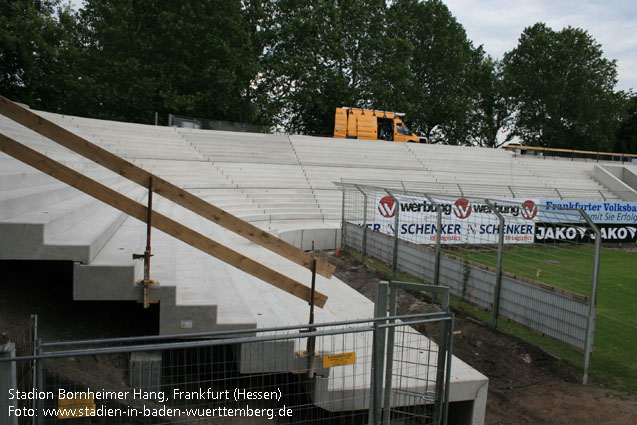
(497, 25)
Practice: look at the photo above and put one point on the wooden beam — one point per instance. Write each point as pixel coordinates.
(159, 221)
(162, 187)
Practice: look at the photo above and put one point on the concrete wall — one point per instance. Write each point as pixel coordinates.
(303, 238)
(557, 314)
(625, 174)
(630, 178)
(612, 178)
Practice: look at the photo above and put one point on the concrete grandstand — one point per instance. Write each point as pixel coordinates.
(283, 184)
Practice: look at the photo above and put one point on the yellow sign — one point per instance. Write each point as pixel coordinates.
(342, 359)
(81, 405)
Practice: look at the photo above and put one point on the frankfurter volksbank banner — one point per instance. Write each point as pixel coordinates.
(525, 220)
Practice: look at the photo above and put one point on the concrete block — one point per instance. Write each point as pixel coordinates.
(8, 381)
(145, 370)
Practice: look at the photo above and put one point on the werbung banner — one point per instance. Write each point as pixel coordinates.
(463, 221)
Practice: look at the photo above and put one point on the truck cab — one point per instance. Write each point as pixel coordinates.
(354, 123)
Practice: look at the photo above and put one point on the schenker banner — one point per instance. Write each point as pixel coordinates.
(463, 221)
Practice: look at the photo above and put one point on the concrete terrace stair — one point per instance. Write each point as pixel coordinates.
(284, 184)
(573, 179)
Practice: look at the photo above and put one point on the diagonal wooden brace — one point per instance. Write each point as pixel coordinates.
(160, 222)
(162, 187)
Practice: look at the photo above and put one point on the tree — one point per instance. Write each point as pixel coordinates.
(319, 56)
(626, 140)
(33, 60)
(189, 57)
(437, 91)
(490, 112)
(562, 90)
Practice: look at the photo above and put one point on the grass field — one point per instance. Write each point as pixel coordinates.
(568, 268)
(614, 359)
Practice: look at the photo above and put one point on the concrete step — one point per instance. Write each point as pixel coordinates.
(311, 203)
(59, 216)
(23, 200)
(75, 229)
(282, 216)
(23, 178)
(283, 199)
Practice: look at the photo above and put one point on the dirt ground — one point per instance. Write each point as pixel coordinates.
(526, 386)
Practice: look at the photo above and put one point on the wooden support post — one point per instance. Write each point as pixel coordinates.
(161, 222)
(146, 282)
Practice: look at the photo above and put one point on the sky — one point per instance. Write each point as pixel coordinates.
(498, 24)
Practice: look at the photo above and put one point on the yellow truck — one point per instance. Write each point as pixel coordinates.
(354, 123)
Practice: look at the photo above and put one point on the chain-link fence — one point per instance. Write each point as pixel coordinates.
(18, 374)
(207, 124)
(532, 264)
(248, 376)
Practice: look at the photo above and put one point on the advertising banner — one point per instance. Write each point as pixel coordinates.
(575, 232)
(617, 221)
(603, 212)
(463, 221)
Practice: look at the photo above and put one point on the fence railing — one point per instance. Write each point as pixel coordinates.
(248, 376)
(496, 191)
(534, 265)
(208, 124)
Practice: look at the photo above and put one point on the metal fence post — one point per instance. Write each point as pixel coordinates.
(590, 328)
(39, 370)
(391, 332)
(364, 245)
(8, 381)
(438, 242)
(394, 263)
(378, 355)
(343, 216)
(445, 408)
(34, 367)
(498, 272)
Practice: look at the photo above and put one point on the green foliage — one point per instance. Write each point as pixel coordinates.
(435, 81)
(562, 89)
(626, 140)
(490, 112)
(30, 43)
(190, 57)
(319, 56)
